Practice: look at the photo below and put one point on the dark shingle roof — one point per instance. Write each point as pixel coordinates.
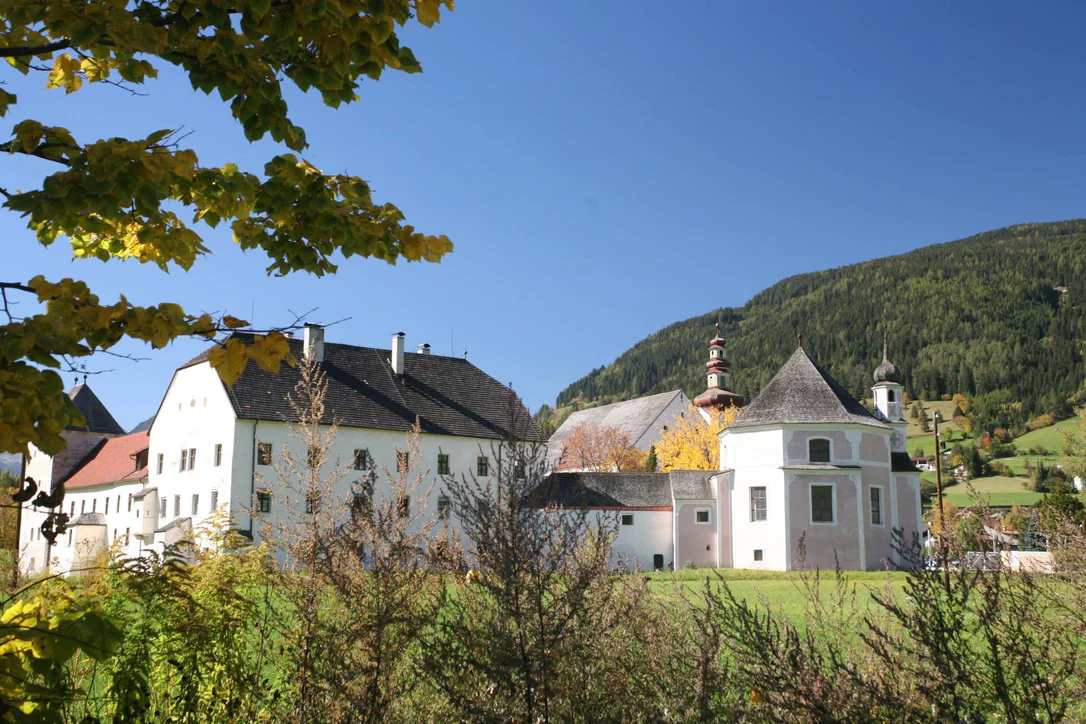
(604, 490)
(94, 412)
(691, 484)
(450, 395)
(187, 522)
(901, 463)
(802, 392)
(143, 493)
(89, 519)
(81, 447)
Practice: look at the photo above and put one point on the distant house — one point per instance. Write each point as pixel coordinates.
(642, 419)
(924, 463)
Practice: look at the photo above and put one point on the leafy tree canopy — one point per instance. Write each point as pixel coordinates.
(150, 199)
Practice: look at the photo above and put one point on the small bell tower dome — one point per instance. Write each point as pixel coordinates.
(889, 393)
(718, 394)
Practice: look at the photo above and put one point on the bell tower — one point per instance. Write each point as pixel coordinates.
(889, 392)
(718, 394)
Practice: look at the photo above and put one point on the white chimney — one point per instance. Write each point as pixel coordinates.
(313, 345)
(424, 348)
(397, 354)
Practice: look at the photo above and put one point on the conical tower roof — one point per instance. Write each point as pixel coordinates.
(803, 392)
(94, 412)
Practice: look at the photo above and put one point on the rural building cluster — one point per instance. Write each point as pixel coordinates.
(803, 461)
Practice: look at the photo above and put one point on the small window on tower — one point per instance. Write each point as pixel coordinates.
(890, 395)
(819, 451)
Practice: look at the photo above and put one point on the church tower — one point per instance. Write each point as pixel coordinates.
(889, 392)
(718, 394)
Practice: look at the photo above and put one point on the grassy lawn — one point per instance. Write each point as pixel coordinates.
(995, 490)
(948, 431)
(1018, 463)
(783, 591)
(1047, 437)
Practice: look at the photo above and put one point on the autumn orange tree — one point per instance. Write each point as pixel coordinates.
(602, 448)
(150, 199)
(692, 442)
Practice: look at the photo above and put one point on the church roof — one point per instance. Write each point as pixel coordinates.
(80, 447)
(449, 395)
(96, 415)
(803, 392)
(633, 417)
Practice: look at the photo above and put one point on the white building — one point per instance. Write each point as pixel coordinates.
(213, 446)
(803, 462)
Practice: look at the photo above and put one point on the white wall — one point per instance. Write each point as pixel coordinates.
(756, 457)
(651, 533)
(118, 523)
(34, 549)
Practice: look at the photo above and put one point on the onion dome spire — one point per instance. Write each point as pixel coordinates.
(886, 371)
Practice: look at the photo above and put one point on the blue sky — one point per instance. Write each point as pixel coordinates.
(607, 168)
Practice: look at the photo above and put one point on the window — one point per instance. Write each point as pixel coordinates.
(107, 505)
(94, 505)
(759, 510)
(361, 459)
(82, 507)
(118, 508)
(162, 507)
(443, 507)
(701, 515)
(69, 538)
(214, 500)
(313, 457)
(127, 531)
(312, 505)
(263, 453)
(263, 502)
(195, 503)
(627, 519)
(192, 458)
(160, 461)
(184, 460)
(403, 461)
(442, 464)
(177, 506)
(403, 505)
(822, 504)
(890, 395)
(71, 513)
(482, 466)
(818, 450)
(876, 506)
(218, 454)
(130, 502)
(519, 469)
(758, 557)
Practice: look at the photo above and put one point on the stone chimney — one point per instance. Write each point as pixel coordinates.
(313, 345)
(424, 348)
(397, 354)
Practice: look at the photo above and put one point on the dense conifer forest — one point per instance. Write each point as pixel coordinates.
(998, 316)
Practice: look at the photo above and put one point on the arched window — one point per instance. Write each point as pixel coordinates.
(890, 395)
(818, 450)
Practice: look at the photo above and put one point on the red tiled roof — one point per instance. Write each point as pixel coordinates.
(113, 462)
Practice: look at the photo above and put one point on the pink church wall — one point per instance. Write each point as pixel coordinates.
(724, 520)
(823, 540)
(874, 448)
(840, 447)
(878, 539)
(695, 542)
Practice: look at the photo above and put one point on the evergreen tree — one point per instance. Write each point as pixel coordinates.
(1040, 478)
(650, 463)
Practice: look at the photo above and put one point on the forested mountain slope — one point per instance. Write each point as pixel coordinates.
(1000, 312)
